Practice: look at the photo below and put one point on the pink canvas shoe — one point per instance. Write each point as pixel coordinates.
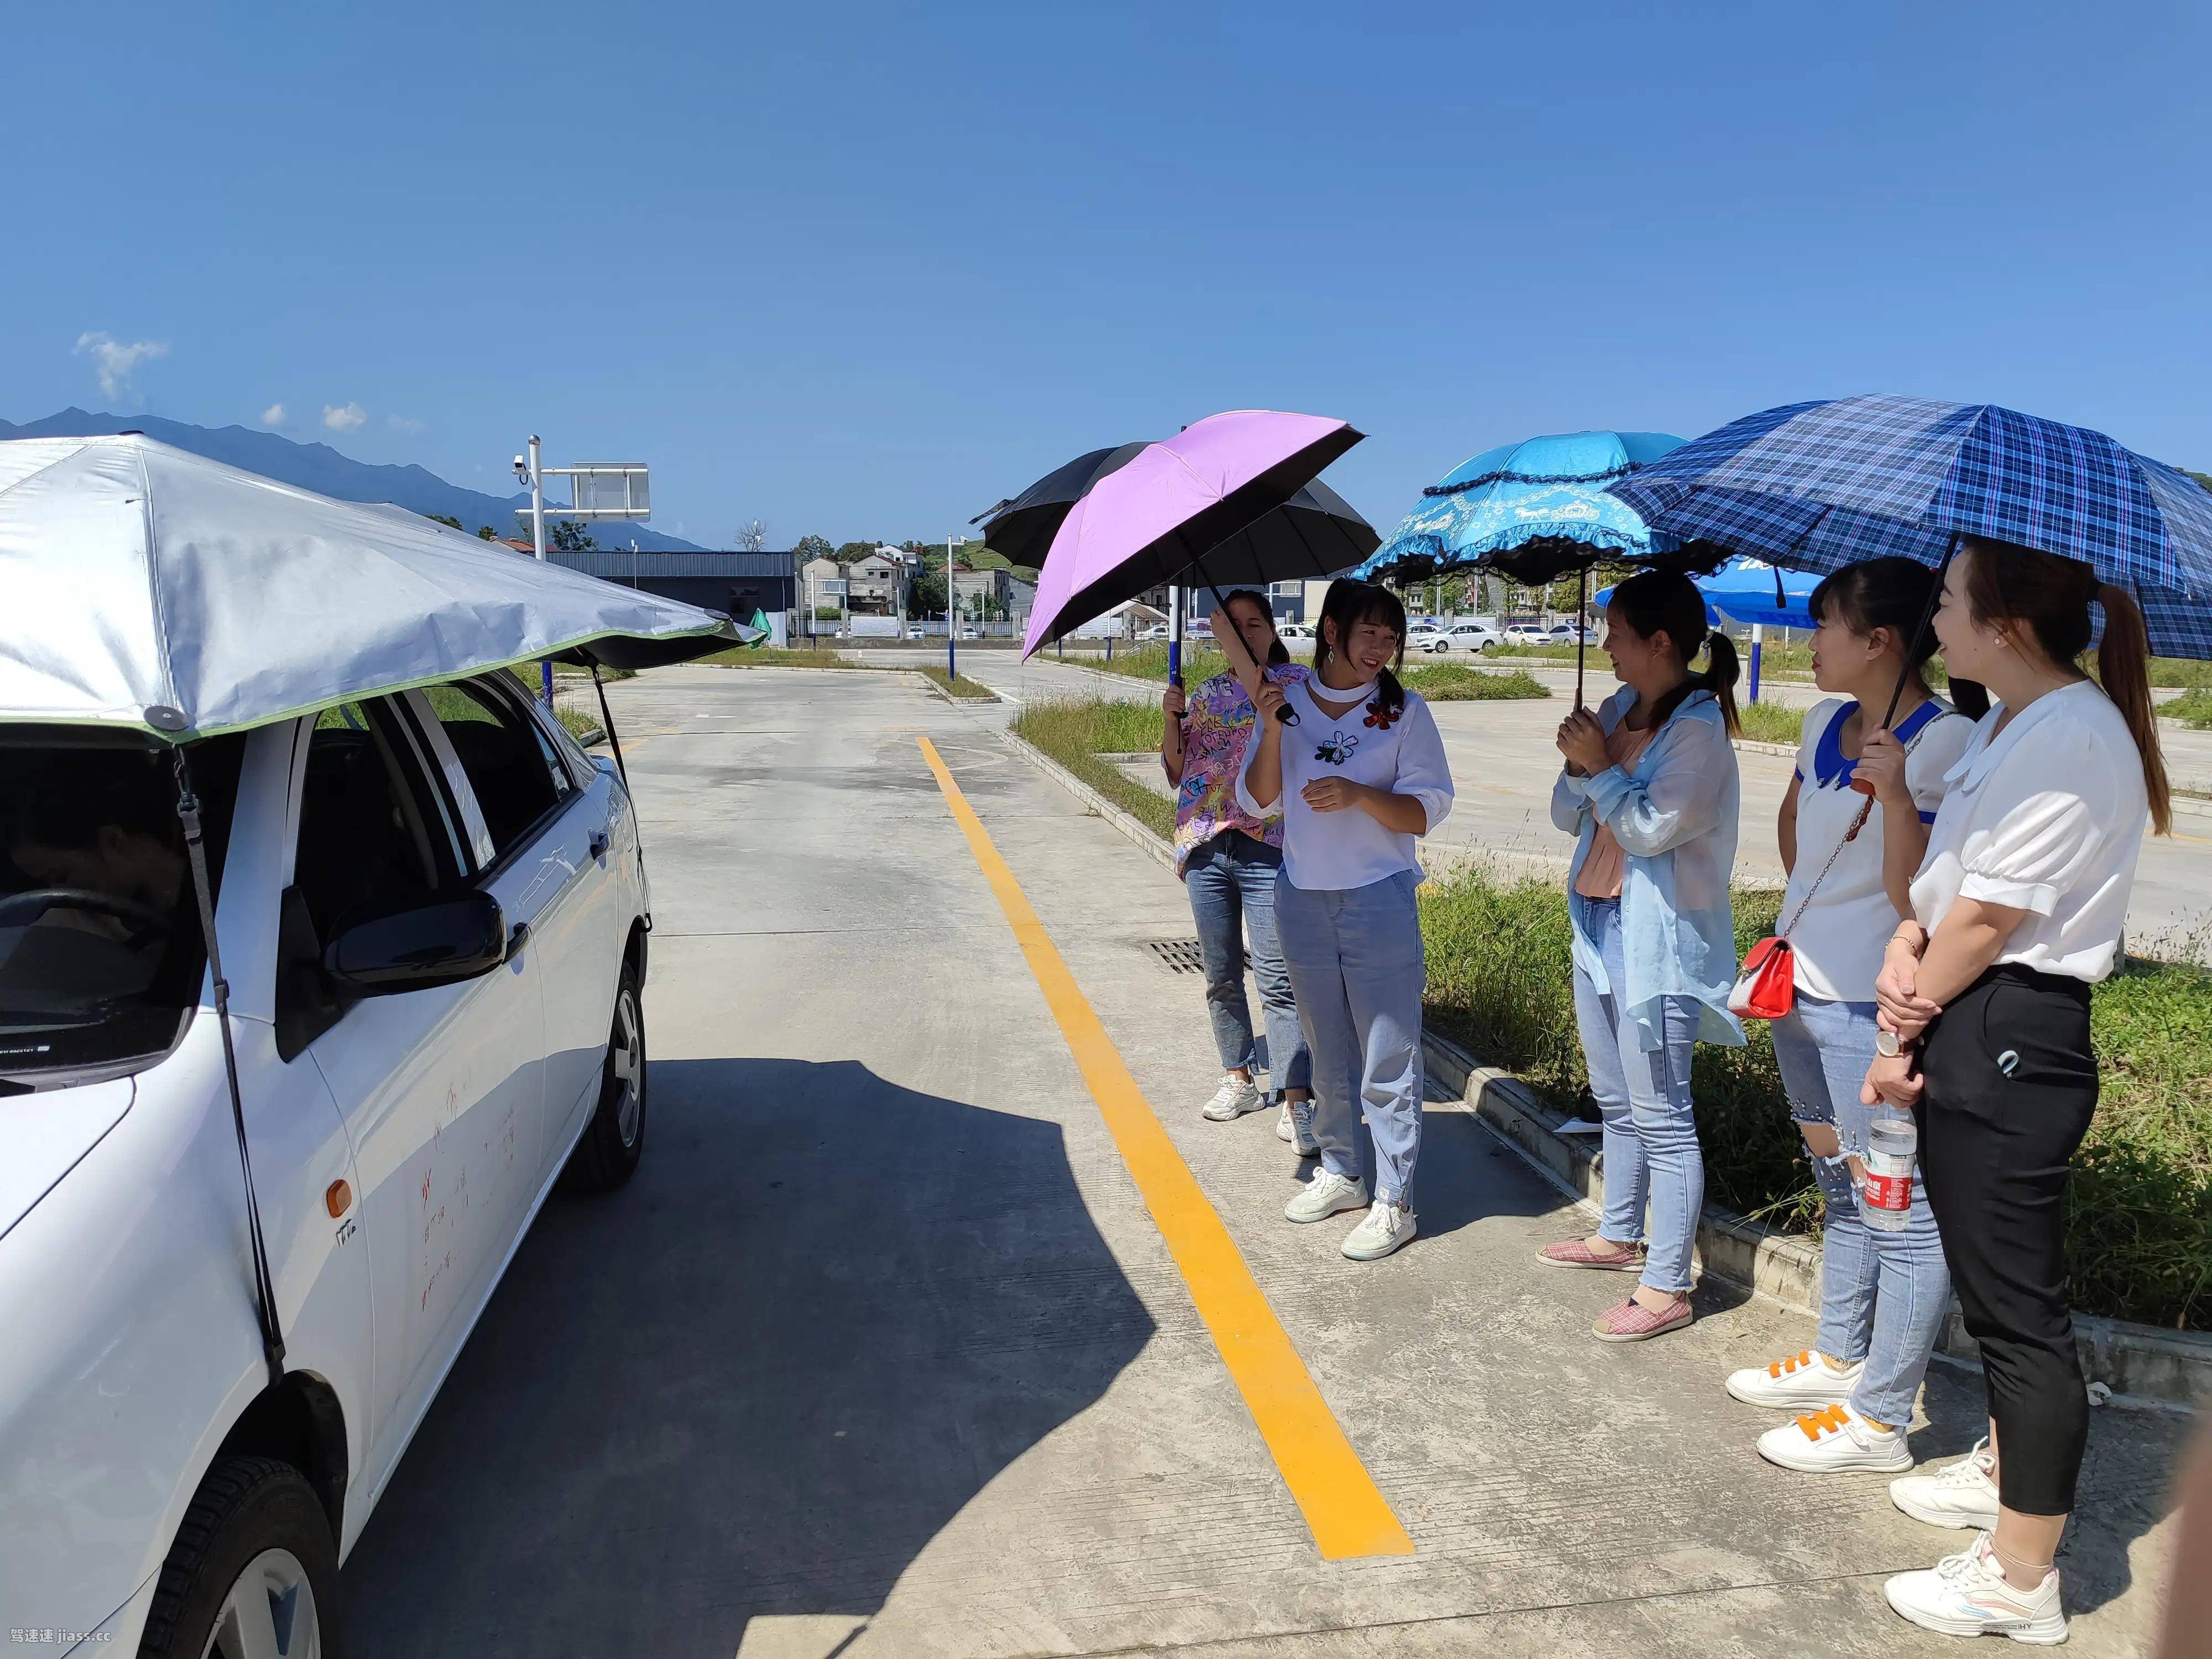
(1576, 1253)
(1632, 1321)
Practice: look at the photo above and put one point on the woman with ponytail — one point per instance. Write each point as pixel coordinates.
(1360, 778)
(2017, 910)
(1651, 792)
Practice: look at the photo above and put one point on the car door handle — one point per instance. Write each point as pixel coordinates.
(517, 937)
(599, 843)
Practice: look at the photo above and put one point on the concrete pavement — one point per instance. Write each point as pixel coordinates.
(881, 1353)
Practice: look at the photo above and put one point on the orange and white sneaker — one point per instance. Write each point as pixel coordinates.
(1799, 1382)
(1966, 1595)
(1833, 1438)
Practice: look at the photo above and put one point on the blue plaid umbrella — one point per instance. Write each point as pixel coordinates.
(1534, 510)
(1819, 485)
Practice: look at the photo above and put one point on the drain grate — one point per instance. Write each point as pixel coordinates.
(1178, 955)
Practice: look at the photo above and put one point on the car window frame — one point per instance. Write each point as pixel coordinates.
(486, 863)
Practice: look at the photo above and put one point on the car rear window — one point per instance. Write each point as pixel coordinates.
(101, 957)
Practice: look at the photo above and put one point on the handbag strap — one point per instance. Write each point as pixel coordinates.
(1865, 811)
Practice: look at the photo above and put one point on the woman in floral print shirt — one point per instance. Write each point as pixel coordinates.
(1228, 859)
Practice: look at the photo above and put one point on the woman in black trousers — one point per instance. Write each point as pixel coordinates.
(2019, 906)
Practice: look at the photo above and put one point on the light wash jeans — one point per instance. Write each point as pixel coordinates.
(1232, 897)
(1651, 1144)
(1355, 963)
(1883, 1295)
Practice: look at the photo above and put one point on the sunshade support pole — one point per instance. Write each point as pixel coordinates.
(607, 720)
(264, 1290)
(1581, 631)
(1283, 712)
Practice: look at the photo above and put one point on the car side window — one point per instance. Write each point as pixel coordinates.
(371, 839)
(512, 766)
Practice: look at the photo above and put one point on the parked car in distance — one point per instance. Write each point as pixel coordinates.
(1527, 633)
(1424, 625)
(433, 918)
(1154, 635)
(1460, 637)
(1292, 630)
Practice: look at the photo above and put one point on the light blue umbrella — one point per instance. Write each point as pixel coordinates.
(1754, 593)
(1533, 511)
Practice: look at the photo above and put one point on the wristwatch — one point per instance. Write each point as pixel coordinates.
(1886, 1044)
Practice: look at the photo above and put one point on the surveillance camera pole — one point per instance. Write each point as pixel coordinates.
(537, 534)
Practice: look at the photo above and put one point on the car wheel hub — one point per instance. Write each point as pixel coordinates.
(626, 1062)
(269, 1612)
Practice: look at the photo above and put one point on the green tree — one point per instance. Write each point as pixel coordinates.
(569, 536)
(441, 517)
(926, 595)
(812, 547)
(485, 532)
(852, 551)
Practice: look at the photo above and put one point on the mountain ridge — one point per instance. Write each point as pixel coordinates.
(318, 467)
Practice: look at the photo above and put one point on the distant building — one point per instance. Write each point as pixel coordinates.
(742, 585)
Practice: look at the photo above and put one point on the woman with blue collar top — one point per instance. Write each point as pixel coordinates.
(1883, 1294)
(1359, 780)
(1651, 790)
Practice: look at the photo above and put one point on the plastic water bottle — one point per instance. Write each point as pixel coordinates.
(1892, 1144)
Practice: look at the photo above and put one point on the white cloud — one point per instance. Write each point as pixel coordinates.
(344, 420)
(115, 360)
(273, 416)
(398, 423)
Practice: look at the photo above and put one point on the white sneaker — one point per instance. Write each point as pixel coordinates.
(1803, 1380)
(1966, 1595)
(1287, 1127)
(1963, 1494)
(1325, 1194)
(1235, 1098)
(1832, 1439)
(1385, 1227)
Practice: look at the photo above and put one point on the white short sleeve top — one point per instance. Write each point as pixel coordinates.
(1403, 753)
(1837, 940)
(2047, 816)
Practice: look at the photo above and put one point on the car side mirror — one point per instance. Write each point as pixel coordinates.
(440, 940)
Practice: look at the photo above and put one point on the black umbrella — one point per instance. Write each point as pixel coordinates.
(1022, 527)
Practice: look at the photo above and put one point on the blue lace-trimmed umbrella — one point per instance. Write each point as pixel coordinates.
(1532, 511)
(1819, 485)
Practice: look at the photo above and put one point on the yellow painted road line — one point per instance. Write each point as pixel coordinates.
(1345, 1513)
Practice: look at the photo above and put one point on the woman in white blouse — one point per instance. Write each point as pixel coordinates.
(1360, 778)
(1853, 826)
(2018, 910)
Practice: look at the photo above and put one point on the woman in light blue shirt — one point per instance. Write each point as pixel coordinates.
(1651, 792)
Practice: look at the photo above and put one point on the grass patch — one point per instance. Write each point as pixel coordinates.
(1075, 733)
(1201, 663)
(1455, 682)
(1543, 654)
(958, 685)
(2193, 708)
(1770, 722)
(777, 656)
(579, 724)
(2139, 1208)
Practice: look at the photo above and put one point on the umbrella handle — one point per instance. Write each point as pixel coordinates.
(1286, 715)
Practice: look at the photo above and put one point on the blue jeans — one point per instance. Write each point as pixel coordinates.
(1650, 1146)
(1232, 897)
(1883, 1295)
(1356, 963)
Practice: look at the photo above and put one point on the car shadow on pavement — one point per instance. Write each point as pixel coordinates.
(755, 1381)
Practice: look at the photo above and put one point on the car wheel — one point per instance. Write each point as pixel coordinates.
(253, 1573)
(614, 1140)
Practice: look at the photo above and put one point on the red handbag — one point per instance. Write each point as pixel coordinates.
(1767, 985)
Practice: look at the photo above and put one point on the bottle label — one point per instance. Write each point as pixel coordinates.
(1889, 1191)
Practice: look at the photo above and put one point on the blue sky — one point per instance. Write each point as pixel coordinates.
(860, 269)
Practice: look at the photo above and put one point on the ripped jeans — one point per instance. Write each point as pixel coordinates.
(1883, 1295)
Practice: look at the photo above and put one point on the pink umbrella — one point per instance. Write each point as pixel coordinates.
(1154, 519)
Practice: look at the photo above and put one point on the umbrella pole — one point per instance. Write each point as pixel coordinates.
(1582, 629)
(1919, 634)
(1286, 714)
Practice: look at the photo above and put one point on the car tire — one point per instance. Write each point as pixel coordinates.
(612, 1142)
(254, 1549)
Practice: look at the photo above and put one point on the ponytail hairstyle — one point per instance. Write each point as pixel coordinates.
(2020, 591)
(1668, 602)
(1350, 602)
(1898, 594)
(1278, 652)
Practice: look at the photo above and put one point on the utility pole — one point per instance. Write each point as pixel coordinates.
(537, 536)
(951, 656)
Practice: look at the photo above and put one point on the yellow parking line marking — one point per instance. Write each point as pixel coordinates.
(1343, 1509)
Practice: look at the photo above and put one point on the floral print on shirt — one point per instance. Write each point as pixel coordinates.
(1216, 726)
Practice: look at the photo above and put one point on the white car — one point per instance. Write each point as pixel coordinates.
(1528, 633)
(1156, 632)
(431, 916)
(1291, 630)
(1460, 637)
